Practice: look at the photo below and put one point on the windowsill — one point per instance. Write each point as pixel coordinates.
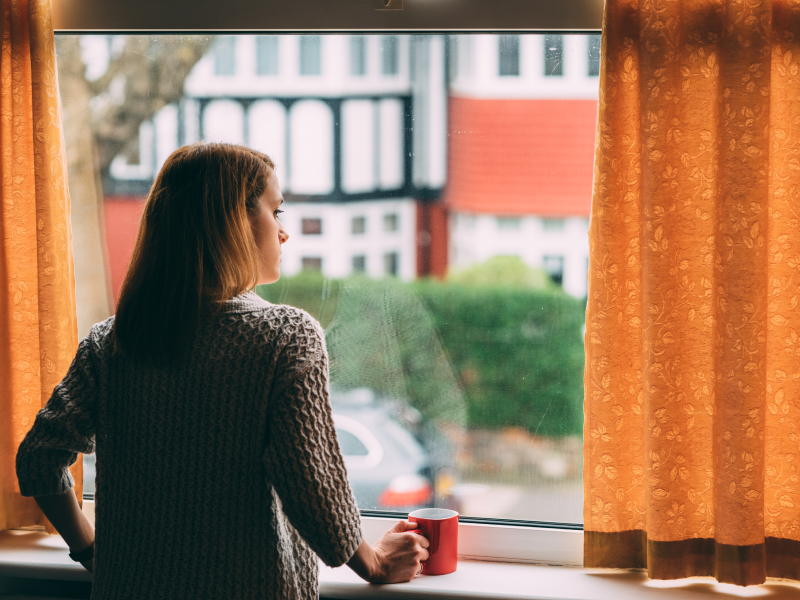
(35, 555)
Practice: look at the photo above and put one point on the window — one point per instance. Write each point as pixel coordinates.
(554, 265)
(391, 262)
(418, 327)
(311, 263)
(391, 222)
(554, 55)
(358, 55)
(225, 55)
(508, 223)
(508, 51)
(550, 224)
(310, 55)
(311, 226)
(267, 55)
(358, 225)
(359, 263)
(594, 55)
(390, 58)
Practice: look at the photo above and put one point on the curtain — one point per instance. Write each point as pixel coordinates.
(38, 331)
(692, 408)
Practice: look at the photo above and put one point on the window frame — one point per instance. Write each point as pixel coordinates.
(480, 539)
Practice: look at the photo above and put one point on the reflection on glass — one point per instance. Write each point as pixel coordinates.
(438, 225)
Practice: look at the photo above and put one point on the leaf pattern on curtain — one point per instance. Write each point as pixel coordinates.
(38, 331)
(692, 375)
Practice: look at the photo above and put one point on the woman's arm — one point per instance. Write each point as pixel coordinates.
(66, 516)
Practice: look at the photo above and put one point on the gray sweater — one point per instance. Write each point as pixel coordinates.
(219, 477)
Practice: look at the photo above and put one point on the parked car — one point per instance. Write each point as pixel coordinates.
(384, 448)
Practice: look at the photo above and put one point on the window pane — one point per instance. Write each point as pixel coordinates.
(267, 55)
(508, 46)
(594, 55)
(390, 58)
(310, 55)
(225, 55)
(358, 55)
(437, 230)
(554, 55)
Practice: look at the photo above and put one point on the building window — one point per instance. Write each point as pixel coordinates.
(391, 261)
(311, 226)
(359, 264)
(310, 55)
(553, 224)
(594, 55)
(508, 51)
(267, 55)
(391, 222)
(358, 225)
(311, 263)
(225, 55)
(358, 55)
(554, 266)
(390, 55)
(554, 55)
(509, 223)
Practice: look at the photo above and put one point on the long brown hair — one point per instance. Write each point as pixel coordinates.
(195, 248)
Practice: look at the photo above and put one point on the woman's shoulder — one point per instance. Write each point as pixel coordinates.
(286, 321)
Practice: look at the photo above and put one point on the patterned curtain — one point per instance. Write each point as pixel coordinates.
(692, 430)
(38, 331)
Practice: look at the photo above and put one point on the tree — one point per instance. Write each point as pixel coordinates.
(101, 118)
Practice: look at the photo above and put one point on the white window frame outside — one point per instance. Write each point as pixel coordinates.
(479, 539)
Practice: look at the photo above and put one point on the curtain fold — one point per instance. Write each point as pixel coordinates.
(38, 331)
(692, 408)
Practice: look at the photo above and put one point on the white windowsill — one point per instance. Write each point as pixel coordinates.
(35, 555)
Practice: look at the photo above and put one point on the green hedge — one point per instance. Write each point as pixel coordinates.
(466, 351)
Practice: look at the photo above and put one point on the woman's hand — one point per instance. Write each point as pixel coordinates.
(394, 558)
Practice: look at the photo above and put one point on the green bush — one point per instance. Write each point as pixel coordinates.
(467, 351)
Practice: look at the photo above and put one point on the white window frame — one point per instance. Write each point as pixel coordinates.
(496, 541)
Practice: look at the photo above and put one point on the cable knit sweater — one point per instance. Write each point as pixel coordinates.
(219, 477)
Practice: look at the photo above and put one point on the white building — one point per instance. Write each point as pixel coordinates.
(357, 132)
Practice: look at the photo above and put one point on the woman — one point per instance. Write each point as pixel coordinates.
(218, 470)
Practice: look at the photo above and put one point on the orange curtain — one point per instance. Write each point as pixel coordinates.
(38, 330)
(692, 428)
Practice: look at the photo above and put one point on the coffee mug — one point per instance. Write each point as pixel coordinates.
(440, 527)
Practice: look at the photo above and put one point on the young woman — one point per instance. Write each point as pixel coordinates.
(218, 470)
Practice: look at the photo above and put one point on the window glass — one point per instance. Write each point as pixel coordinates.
(311, 226)
(225, 55)
(554, 55)
(438, 226)
(267, 55)
(508, 53)
(358, 55)
(593, 42)
(358, 225)
(390, 54)
(310, 55)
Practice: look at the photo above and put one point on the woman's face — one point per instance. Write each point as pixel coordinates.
(268, 232)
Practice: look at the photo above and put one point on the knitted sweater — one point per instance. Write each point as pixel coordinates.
(216, 477)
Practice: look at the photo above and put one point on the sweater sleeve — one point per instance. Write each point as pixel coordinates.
(64, 428)
(303, 459)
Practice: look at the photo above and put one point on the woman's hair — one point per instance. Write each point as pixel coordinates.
(195, 248)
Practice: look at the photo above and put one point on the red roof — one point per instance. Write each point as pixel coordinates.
(521, 157)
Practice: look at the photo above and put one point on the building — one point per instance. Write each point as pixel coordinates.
(357, 132)
(522, 113)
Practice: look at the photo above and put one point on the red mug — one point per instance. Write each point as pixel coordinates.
(440, 527)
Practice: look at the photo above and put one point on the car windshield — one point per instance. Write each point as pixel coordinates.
(437, 193)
